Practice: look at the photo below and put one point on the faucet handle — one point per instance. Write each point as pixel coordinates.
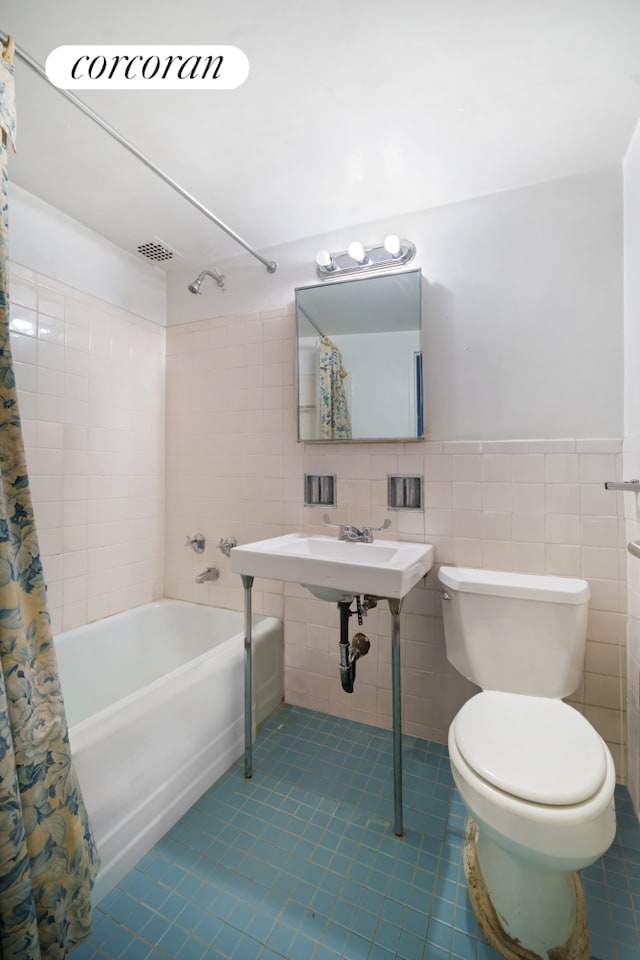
(196, 541)
(342, 528)
(226, 546)
(385, 526)
(327, 523)
(368, 532)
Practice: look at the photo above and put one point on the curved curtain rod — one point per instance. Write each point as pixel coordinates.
(271, 265)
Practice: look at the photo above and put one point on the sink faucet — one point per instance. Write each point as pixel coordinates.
(351, 533)
(346, 531)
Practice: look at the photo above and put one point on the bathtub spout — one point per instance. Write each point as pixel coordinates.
(211, 573)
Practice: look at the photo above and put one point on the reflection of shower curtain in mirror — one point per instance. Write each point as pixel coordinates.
(335, 422)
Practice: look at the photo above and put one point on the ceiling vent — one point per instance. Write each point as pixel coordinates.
(156, 251)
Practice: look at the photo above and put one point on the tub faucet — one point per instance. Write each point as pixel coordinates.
(211, 573)
(196, 542)
(226, 546)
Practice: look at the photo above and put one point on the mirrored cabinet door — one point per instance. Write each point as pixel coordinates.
(360, 359)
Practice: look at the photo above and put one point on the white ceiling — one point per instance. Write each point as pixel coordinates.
(354, 110)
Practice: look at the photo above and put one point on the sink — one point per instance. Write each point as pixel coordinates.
(336, 569)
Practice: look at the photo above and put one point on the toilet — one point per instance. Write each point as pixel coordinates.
(536, 778)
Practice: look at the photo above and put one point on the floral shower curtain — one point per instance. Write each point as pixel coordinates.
(335, 422)
(47, 856)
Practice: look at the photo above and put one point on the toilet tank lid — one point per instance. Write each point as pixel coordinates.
(521, 586)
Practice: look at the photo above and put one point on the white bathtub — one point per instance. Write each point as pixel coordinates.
(155, 706)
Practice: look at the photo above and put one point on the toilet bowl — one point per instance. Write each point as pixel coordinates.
(536, 778)
(551, 802)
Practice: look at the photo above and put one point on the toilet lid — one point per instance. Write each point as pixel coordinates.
(534, 748)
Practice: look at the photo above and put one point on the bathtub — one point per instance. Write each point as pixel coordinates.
(155, 706)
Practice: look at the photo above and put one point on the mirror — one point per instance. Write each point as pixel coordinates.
(360, 359)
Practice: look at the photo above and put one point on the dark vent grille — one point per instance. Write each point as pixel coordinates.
(155, 251)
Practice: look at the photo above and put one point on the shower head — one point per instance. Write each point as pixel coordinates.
(197, 283)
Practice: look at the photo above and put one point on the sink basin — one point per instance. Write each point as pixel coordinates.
(334, 569)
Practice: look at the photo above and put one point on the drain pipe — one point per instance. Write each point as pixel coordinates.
(347, 669)
(359, 646)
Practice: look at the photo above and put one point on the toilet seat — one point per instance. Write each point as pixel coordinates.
(533, 748)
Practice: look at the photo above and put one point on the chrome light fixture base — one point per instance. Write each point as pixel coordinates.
(375, 259)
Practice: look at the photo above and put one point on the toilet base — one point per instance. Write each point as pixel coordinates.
(574, 947)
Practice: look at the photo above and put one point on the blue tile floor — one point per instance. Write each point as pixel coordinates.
(301, 862)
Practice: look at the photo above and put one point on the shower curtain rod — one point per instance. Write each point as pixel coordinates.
(312, 322)
(271, 265)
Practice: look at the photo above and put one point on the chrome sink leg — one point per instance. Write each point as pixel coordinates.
(247, 583)
(394, 606)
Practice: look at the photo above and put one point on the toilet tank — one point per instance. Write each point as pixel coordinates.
(515, 632)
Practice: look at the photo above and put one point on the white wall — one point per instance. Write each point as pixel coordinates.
(632, 448)
(523, 287)
(380, 366)
(61, 248)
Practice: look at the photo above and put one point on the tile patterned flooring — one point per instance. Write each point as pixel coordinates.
(301, 862)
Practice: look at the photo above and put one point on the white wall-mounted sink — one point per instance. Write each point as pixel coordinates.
(332, 568)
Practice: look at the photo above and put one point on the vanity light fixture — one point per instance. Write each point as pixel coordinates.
(394, 252)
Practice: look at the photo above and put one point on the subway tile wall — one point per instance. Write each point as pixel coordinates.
(234, 468)
(90, 381)
(631, 460)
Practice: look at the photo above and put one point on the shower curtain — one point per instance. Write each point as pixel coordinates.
(47, 856)
(335, 422)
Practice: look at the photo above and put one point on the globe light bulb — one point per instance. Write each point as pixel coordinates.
(356, 252)
(323, 258)
(392, 244)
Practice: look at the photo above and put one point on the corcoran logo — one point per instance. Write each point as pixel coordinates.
(129, 67)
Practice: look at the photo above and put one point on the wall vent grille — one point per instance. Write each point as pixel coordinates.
(155, 251)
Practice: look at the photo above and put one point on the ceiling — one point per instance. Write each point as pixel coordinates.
(354, 110)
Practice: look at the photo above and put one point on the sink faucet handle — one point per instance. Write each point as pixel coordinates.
(368, 532)
(385, 526)
(327, 522)
(334, 526)
(345, 530)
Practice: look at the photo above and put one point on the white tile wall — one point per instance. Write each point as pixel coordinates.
(228, 430)
(90, 381)
(632, 513)
(234, 469)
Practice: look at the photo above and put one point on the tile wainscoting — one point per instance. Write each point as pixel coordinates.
(234, 468)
